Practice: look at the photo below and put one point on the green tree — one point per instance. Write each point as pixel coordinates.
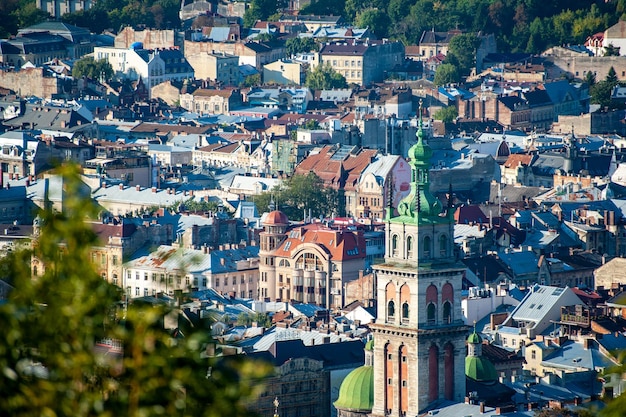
(51, 324)
(311, 124)
(325, 7)
(611, 50)
(462, 52)
(324, 77)
(446, 114)
(601, 93)
(298, 194)
(265, 37)
(95, 19)
(251, 81)
(94, 69)
(261, 10)
(376, 20)
(28, 14)
(298, 45)
(446, 74)
(611, 77)
(590, 78)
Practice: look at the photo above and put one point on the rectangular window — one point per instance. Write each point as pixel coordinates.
(114, 261)
(145, 276)
(137, 291)
(217, 282)
(137, 276)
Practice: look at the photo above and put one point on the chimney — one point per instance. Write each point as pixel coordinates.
(121, 186)
(154, 190)
(138, 187)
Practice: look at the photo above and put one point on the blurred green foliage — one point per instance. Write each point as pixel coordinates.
(52, 322)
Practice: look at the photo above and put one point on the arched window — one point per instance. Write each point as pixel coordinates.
(405, 312)
(447, 312)
(394, 245)
(431, 314)
(443, 245)
(409, 246)
(391, 309)
(284, 263)
(427, 247)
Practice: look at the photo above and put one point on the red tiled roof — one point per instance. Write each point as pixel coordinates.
(103, 231)
(337, 173)
(517, 159)
(340, 245)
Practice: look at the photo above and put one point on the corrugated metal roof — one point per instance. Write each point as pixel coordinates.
(540, 300)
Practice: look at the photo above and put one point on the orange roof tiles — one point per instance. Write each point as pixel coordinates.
(516, 159)
(335, 173)
(340, 245)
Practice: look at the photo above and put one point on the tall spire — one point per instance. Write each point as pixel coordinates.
(420, 202)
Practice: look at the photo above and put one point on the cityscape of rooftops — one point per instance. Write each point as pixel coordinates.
(312, 208)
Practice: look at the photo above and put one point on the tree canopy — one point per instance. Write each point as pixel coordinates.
(446, 114)
(298, 195)
(94, 69)
(462, 52)
(518, 25)
(52, 322)
(601, 91)
(446, 74)
(298, 45)
(324, 77)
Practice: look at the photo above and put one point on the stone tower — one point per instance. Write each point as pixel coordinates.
(419, 334)
(275, 226)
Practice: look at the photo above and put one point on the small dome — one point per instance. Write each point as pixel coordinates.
(357, 391)
(480, 369)
(276, 217)
(369, 345)
(474, 338)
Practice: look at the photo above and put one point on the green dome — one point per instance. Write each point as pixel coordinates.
(480, 369)
(474, 339)
(421, 152)
(369, 345)
(357, 390)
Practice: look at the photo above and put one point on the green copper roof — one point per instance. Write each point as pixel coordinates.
(357, 390)
(474, 338)
(480, 369)
(369, 345)
(420, 206)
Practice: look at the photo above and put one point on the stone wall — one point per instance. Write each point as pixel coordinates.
(32, 82)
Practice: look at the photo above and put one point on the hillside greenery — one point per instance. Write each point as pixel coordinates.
(518, 25)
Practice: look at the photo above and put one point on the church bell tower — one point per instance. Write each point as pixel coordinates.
(419, 334)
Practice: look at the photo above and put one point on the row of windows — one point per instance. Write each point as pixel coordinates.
(426, 245)
(431, 312)
(364, 201)
(347, 63)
